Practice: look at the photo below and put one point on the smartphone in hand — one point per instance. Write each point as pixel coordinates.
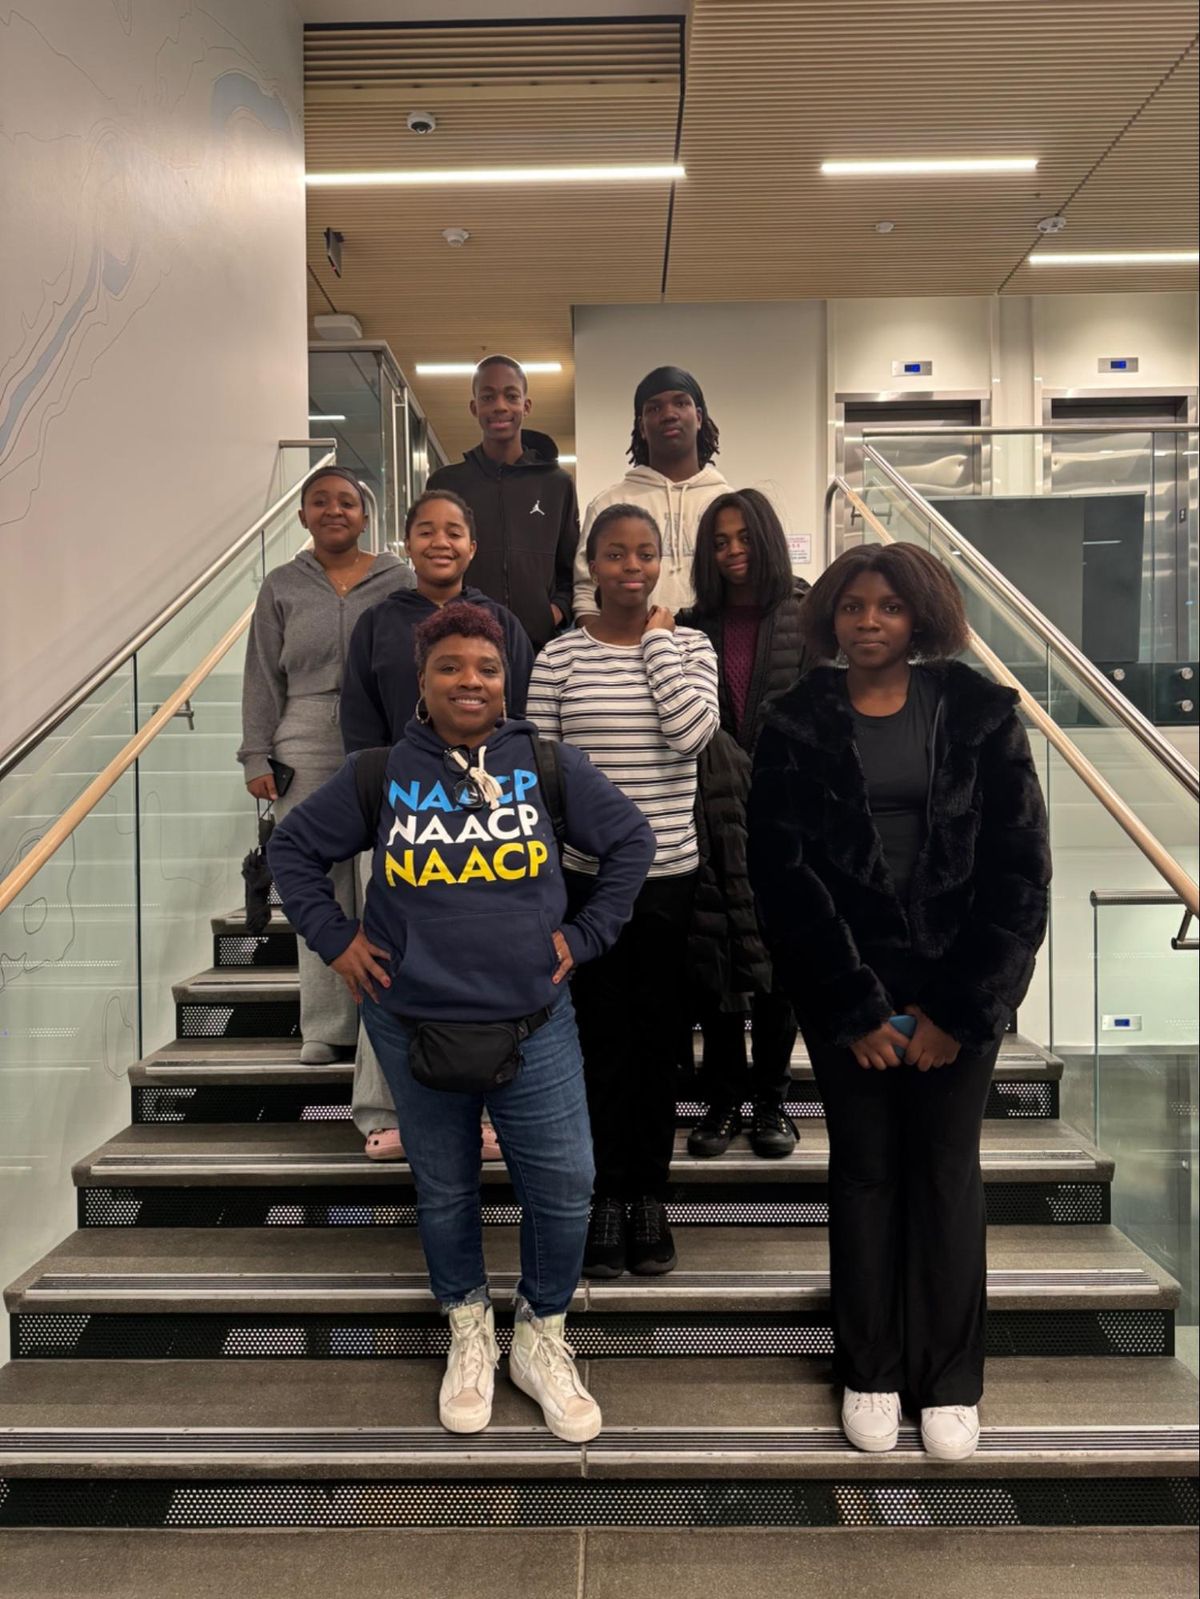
(903, 1024)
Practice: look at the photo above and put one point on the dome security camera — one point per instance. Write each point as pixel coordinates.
(421, 122)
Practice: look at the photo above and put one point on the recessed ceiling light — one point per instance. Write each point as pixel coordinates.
(326, 417)
(466, 369)
(483, 175)
(900, 168)
(1115, 258)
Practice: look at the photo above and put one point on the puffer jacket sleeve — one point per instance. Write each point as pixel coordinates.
(725, 941)
(986, 972)
(817, 961)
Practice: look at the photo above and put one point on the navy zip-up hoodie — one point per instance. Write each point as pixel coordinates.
(526, 529)
(465, 901)
(379, 683)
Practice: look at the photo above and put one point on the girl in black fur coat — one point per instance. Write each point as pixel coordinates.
(899, 855)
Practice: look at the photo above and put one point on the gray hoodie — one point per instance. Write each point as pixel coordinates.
(297, 645)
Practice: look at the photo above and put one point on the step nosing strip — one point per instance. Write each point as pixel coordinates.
(274, 1160)
(64, 1283)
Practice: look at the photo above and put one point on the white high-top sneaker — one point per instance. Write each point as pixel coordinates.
(950, 1432)
(542, 1365)
(465, 1401)
(871, 1421)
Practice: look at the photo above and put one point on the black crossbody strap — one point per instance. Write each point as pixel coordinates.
(549, 772)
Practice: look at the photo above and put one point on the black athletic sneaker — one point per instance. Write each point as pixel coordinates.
(651, 1249)
(713, 1132)
(772, 1134)
(604, 1252)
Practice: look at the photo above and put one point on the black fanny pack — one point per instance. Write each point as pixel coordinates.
(470, 1057)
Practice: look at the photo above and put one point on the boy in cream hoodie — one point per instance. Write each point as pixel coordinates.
(674, 441)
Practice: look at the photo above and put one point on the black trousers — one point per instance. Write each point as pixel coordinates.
(907, 1224)
(724, 1079)
(630, 1006)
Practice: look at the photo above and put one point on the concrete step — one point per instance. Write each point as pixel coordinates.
(384, 1552)
(704, 1420)
(194, 1292)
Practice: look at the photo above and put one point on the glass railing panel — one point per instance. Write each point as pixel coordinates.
(196, 819)
(68, 997)
(1147, 1033)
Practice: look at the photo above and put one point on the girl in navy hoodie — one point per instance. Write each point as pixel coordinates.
(466, 921)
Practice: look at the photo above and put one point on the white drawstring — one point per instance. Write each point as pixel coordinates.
(489, 787)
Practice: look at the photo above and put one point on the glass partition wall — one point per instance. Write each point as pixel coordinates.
(1097, 525)
(359, 397)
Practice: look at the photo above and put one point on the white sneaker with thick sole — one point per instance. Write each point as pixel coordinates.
(542, 1365)
(465, 1401)
(950, 1432)
(871, 1421)
(317, 1054)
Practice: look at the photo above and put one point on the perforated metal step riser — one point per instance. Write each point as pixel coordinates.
(776, 1205)
(245, 1019)
(330, 1102)
(595, 1502)
(595, 1335)
(249, 949)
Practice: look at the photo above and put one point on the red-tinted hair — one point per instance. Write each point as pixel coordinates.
(458, 620)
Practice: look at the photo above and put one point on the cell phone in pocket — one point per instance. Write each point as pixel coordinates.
(903, 1024)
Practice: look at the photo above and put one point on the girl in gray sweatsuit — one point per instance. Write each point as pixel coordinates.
(295, 657)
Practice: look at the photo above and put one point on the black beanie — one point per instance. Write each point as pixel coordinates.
(667, 377)
(333, 471)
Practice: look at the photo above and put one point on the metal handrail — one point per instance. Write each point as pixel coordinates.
(933, 430)
(1163, 862)
(45, 725)
(1134, 896)
(1113, 700)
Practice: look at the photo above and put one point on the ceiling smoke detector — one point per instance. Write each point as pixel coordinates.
(421, 122)
(1052, 224)
(885, 227)
(456, 237)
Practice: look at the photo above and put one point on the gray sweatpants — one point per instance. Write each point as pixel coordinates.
(309, 740)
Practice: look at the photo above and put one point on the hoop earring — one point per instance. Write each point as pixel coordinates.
(422, 711)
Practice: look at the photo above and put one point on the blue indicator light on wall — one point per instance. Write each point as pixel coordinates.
(912, 366)
(1119, 366)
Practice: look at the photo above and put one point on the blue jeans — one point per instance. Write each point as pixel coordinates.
(541, 1120)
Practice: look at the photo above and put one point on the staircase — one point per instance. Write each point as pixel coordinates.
(239, 1336)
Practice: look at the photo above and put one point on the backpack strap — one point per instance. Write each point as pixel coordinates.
(369, 771)
(548, 764)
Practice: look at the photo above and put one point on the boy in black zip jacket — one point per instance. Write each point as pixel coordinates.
(524, 504)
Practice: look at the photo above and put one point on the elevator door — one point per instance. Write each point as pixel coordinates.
(1140, 461)
(953, 462)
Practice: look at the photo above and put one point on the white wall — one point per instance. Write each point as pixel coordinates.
(762, 369)
(1072, 331)
(152, 312)
(866, 336)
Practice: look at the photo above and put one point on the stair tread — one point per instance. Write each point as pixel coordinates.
(674, 1416)
(236, 1060)
(176, 1270)
(479, 1562)
(331, 1152)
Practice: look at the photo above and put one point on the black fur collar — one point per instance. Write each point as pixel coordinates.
(815, 710)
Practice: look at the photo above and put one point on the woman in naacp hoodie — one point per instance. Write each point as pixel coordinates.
(466, 921)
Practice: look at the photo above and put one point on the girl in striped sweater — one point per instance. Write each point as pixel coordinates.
(639, 696)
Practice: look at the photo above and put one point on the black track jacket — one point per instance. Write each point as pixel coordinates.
(526, 527)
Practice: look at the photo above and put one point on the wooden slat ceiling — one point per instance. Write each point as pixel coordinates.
(1102, 91)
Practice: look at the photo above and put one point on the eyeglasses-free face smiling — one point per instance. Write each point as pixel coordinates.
(440, 546)
(334, 514)
(626, 565)
(872, 623)
(463, 685)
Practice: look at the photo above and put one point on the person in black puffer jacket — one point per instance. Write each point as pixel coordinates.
(749, 604)
(727, 958)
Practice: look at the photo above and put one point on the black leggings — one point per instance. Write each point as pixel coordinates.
(907, 1224)
(631, 1011)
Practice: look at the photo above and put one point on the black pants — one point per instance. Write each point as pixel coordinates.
(630, 1006)
(724, 1079)
(907, 1225)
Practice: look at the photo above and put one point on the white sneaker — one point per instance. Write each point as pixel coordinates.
(871, 1421)
(950, 1432)
(542, 1365)
(313, 1053)
(465, 1401)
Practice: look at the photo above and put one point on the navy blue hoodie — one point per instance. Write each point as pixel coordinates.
(465, 901)
(379, 681)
